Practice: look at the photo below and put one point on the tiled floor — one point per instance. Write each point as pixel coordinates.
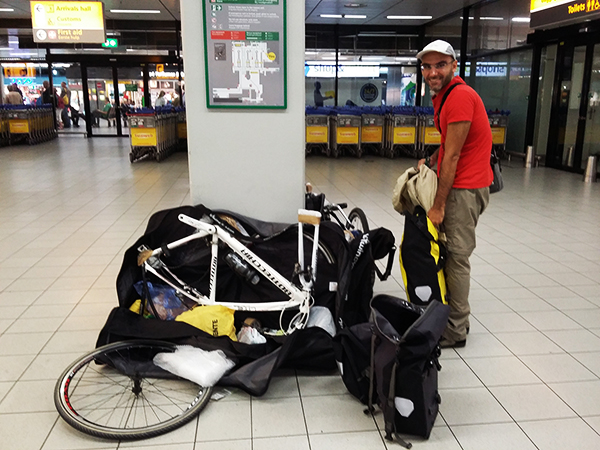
(529, 377)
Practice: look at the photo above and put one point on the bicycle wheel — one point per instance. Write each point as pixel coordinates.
(116, 392)
(358, 219)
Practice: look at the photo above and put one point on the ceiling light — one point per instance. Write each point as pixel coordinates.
(135, 11)
(521, 19)
(354, 16)
(355, 5)
(410, 17)
(331, 16)
(7, 9)
(485, 18)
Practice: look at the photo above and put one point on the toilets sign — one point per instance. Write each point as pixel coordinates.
(68, 22)
(551, 13)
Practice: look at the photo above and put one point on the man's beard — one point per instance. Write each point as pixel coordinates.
(444, 83)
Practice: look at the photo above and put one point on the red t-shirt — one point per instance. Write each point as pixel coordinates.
(473, 170)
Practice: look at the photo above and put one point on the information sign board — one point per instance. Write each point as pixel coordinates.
(549, 13)
(245, 53)
(68, 22)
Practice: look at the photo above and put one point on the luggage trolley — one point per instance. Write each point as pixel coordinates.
(429, 136)
(167, 138)
(499, 124)
(142, 133)
(4, 130)
(402, 132)
(317, 130)
(181, 128)
(372, 131)
(19, 125)
(345, 132)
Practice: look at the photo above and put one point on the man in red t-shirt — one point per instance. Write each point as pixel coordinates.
(464, 176)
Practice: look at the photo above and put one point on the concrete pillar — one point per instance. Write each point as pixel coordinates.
(247, 161)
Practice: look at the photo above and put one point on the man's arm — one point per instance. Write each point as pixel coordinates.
(456, 136)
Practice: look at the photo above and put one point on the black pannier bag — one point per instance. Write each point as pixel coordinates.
(365, 250)
(352, 350)
(422, 259)
(405, 363)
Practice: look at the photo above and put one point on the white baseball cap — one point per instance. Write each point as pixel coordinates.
(438, 46)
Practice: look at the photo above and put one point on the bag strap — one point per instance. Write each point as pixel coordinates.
(439, 112)
(390, 264)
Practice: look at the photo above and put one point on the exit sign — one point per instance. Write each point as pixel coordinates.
(111, 43)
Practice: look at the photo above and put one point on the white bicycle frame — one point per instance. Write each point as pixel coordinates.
(300, 298)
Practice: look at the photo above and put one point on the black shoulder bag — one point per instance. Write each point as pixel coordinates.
(498, 183)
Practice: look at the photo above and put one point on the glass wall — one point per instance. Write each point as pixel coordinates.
(29, 78)
(502, 81)
(361, 85)
(544, 101)
(591, 143)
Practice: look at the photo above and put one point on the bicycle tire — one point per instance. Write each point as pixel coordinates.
(358, 219)
(95, 397)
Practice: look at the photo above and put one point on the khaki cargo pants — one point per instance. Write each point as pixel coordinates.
(463, 208)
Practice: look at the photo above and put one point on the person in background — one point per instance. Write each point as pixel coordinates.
(47, 93)
(318, 96)
(65, 96)
(161, 100)
(13, 97)
(464, 176)
(16, 89)
(60, 106)
(102, 114)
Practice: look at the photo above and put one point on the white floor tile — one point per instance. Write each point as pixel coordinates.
(550, 320)
(240, 444)
(582, 396)
(29, 397)
(322, 384)
(528, 343)
(504, 322)
(531, 402)
(357, 440)
(65, 437)
(18, 433)
(456, 373)
(497, 436)
(575, 340)
(502, 371)
(575, 433)
(471, 406)
(214, 423)
(334, 414)
(277, 417)
(557, 368)
(287, 442)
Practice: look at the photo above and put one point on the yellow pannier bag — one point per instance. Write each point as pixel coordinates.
(216, 320)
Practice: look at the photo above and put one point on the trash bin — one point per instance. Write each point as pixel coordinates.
(591, 169)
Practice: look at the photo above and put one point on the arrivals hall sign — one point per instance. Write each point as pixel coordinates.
(68, 22)
(551, 13)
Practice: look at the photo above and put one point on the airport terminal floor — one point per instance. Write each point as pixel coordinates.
(528, 378)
